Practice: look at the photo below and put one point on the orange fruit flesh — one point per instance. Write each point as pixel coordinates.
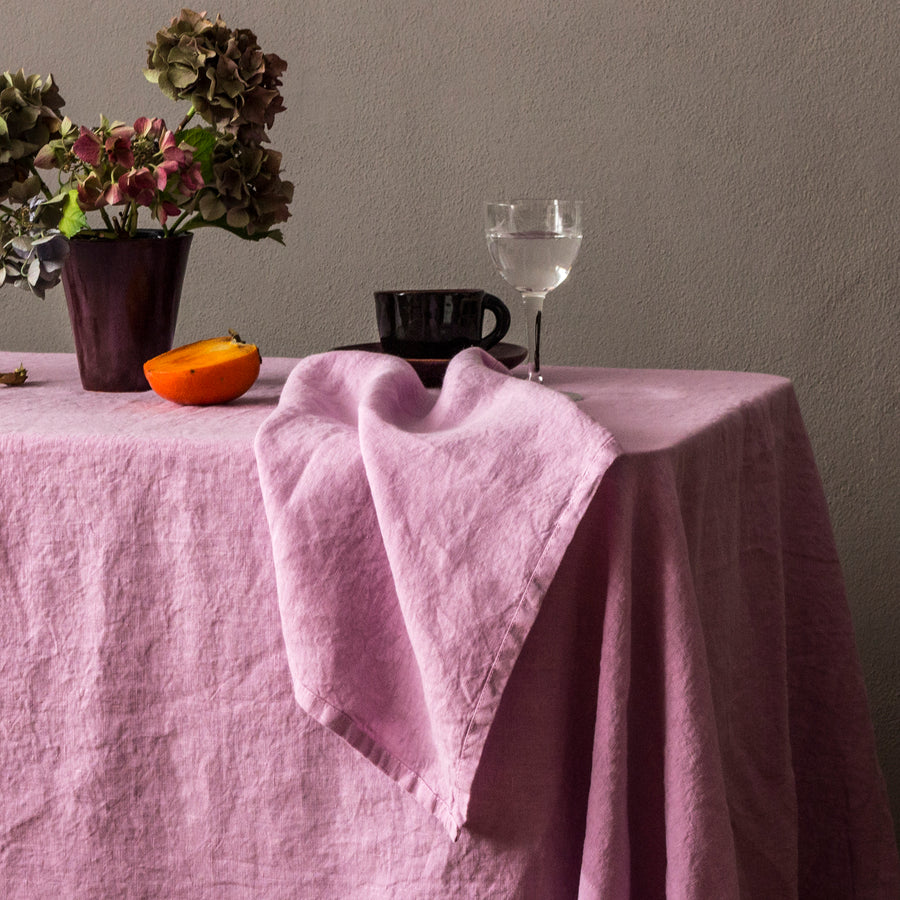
(212, 371)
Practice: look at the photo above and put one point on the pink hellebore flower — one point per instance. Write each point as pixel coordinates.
(138, 185)
(192, 179)
(174, 159)
(92, 195)
(144, 127)
(162, 175)
(169, 166)
(88, 146)
(168, 144)
(172, 153)
(113, 195)
(167, 208)
(118, 146)
(180, 160)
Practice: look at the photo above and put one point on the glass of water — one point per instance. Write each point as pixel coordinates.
(533, 244)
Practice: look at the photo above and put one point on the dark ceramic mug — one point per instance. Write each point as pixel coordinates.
(437, 324)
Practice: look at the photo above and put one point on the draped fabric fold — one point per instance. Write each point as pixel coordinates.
(415, 534)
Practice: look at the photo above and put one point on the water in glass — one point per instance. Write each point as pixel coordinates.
(534, 261)
(533, 244)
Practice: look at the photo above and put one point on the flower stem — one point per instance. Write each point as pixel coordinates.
(187, 118)
(174, 228)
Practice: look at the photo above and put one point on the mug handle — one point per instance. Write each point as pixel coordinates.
(501, 323)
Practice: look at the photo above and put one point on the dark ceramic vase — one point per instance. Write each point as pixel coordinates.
(123, 296)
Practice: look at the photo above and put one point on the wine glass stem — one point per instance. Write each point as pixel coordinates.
(534, 306)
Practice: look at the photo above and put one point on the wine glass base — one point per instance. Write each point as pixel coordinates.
(539, 379)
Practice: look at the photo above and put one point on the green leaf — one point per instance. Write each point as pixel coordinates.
(73, 217)
(272, 234)
(204, 141)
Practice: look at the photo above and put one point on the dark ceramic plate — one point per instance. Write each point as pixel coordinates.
(431, 371)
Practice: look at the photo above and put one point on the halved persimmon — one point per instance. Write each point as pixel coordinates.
(212, 371)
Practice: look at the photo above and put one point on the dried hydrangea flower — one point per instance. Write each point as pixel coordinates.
(247, 191)
(222, 72)
(31, 255)
(30, 116)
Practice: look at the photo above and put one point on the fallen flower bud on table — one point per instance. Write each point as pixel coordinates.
(14, 379)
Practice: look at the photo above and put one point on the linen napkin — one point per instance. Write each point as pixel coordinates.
(415, 534)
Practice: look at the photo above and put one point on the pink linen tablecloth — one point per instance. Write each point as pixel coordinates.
(686, 717)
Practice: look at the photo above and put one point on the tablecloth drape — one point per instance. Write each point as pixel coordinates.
(686, 716)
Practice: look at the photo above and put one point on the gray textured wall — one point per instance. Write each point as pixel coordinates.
(738, 162)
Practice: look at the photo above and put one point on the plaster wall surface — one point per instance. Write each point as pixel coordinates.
(738, 163)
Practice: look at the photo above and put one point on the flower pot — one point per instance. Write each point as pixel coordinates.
(123, 296)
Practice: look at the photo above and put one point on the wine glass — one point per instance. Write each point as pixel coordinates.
(533, 244)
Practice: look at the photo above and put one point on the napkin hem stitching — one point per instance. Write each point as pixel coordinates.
(328, 715)
(576, 497)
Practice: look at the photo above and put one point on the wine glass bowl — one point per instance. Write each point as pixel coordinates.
(533, 244)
